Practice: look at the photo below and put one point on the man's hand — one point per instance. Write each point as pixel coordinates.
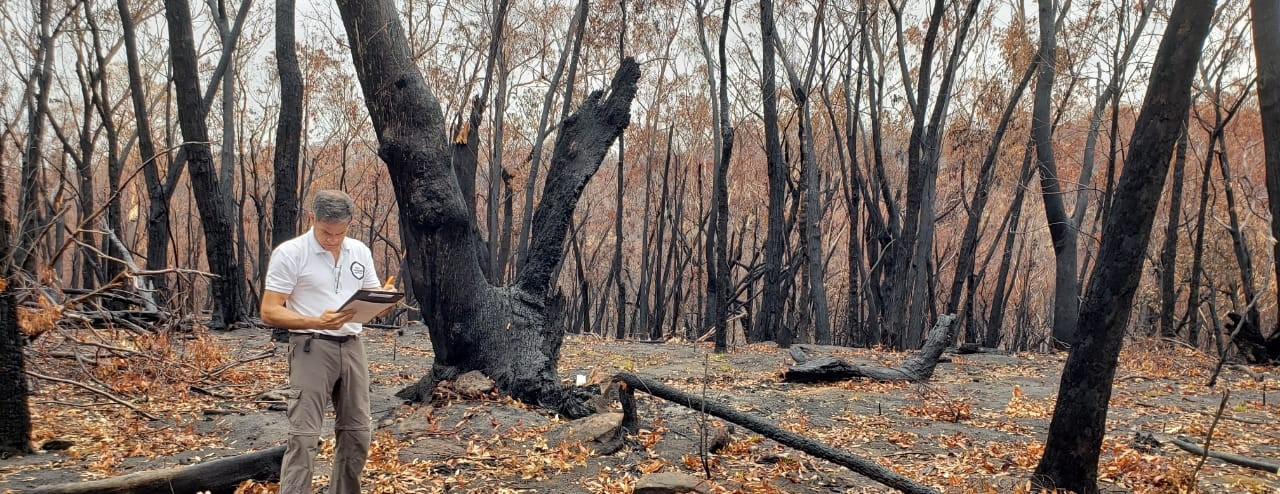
(389, 286)
(333, 319)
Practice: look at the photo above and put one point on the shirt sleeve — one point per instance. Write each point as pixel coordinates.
(371, 281)
(282, 271)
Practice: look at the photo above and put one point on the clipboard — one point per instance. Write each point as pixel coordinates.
(370, 303)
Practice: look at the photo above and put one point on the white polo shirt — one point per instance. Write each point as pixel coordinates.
(315, 282)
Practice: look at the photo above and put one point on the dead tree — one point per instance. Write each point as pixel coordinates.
(15, 417)
(220, 476)
(1074, 442)
(918, 368)
(858, 464)
(1266, 47)
(213, 199)
(501, 331)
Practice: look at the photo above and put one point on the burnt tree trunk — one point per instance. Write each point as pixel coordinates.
(15, 417)
(158, 192)
(1070, 458)
(918, 368)
(213, 199)
(221, 476)
(502, 331)
(1061, 229)
(1266, 47)
(40, 80)
(1169, 251)
(284, 205)
(769, 326)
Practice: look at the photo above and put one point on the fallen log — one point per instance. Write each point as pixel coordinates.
(1243, 461)
(858, 464)
(918, 368)
(216, 477)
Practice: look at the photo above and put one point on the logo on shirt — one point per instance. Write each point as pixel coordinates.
(357, 270)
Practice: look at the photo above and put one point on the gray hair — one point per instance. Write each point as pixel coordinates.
(333, 206)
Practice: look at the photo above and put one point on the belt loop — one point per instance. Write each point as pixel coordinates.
(306, 347)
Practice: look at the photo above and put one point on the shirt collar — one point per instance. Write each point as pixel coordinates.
(318, 249)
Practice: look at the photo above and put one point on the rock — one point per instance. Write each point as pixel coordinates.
(278, 407)
(277, 395)
(431, 449)
(667, 483)
(57, 445)
(473, 384)
(416, 423)
(599, 427)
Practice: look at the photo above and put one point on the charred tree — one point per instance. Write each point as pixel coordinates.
(503, 331)
(213, 199)
(284, 204)
(1266, 46)
(1169, 251)
(37, 106)
(1065, 293)
(769, 325)
(15, 416)
(1074, 442)
(1266, 49)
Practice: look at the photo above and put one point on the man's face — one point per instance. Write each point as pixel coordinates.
(330, 234)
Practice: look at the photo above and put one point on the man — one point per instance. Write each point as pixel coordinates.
(308, 278)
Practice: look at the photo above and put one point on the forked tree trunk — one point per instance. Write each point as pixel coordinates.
(1061, 229)
(501, 331)
(1070, 458)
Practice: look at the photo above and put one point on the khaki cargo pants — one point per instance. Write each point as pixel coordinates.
(321, 371)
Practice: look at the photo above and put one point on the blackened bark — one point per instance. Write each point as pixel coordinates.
(284, 204)
(1266, 49)
(158, 193)
(28, 215)
(504, 332)
(212, 198)
(1065, 293)
(220, 476)
(769, 326)
(1197, 258)
(15, 417)
(720, 193)
(1070, 459)
(1169, 252)
(862, 466)
(535, 155)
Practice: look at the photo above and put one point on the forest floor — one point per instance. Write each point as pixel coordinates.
(978, 426)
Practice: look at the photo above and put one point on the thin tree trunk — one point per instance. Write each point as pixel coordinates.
(285, 200)
(986, 176)
(999, 297)
(28, 217)
(1074, 442)
(769, 323)
(1169, 251)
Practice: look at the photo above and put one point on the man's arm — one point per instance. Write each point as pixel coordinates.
(276, 314)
